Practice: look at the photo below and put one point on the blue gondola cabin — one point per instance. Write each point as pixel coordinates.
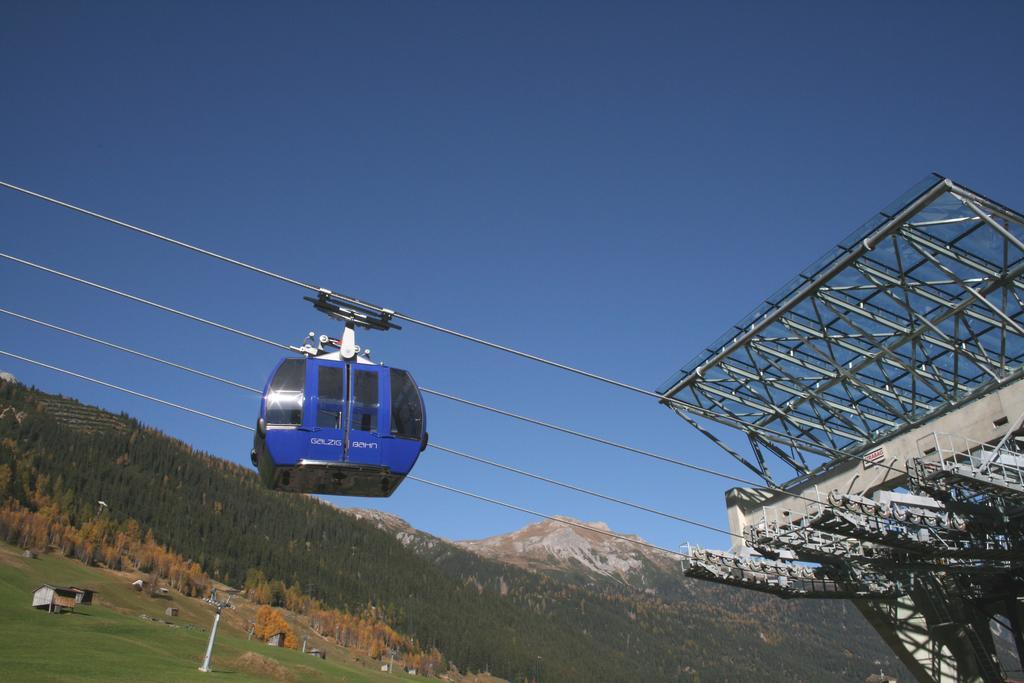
(338, 427)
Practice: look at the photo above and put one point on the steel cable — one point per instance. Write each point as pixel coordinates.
(667, 400)
(528, 511)
(440, 394)
(140, 300)
(450, 397)
(305, 285)
(134, 352)
(232, 423)
(579, 489)
(126, 390)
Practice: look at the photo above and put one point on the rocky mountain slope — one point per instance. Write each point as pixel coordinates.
(744, 625)
(550, 547)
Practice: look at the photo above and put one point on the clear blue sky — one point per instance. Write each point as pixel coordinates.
(607, 184)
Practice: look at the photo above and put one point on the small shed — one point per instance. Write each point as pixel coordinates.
(276, 640)
(317, 653)
(171, 611)
(54, 599)
(83, 596)
(138, 584)
(28, 554)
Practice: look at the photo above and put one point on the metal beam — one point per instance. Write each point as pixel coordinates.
(941, 185)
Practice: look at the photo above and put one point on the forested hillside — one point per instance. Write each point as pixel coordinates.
(481, 614)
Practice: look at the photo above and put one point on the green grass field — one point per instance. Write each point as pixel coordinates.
(110, 641)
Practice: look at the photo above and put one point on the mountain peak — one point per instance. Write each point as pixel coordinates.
(572, 520)
(382, 520)
(558, 545)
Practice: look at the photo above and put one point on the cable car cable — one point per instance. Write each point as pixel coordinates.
(627, 503)
(390, 313)
(134, 352)
(590, 437)
(232, 423)
(457, 399)
(439, 447)
(565, 485)
(156, 235)
(433, 392)
(348, 299)
(306, 285)
(510, 506)
(140, 300)
(440, 394)
(689, 420)
(150, 233)
(127, 391)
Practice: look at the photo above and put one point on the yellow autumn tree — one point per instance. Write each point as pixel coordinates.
(270, 621)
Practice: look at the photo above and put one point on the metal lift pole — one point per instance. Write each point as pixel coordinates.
(205, 668)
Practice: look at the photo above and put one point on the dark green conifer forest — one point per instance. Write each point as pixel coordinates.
(550, 627)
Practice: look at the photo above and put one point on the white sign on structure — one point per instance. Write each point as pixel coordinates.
(874, 457)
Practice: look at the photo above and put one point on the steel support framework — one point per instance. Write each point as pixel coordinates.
(915, 313)
(846, 377)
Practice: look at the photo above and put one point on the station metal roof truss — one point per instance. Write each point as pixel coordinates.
(919, 310)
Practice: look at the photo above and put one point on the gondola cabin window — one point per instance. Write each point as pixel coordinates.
(284, 396)
(406, 406)
(330, 397)
(365, 400)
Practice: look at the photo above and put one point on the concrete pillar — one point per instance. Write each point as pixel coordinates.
(934, 647)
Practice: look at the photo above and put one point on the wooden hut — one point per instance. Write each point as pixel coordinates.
(54, 599)
(171, 612)
(276, 640)
(83, 596)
